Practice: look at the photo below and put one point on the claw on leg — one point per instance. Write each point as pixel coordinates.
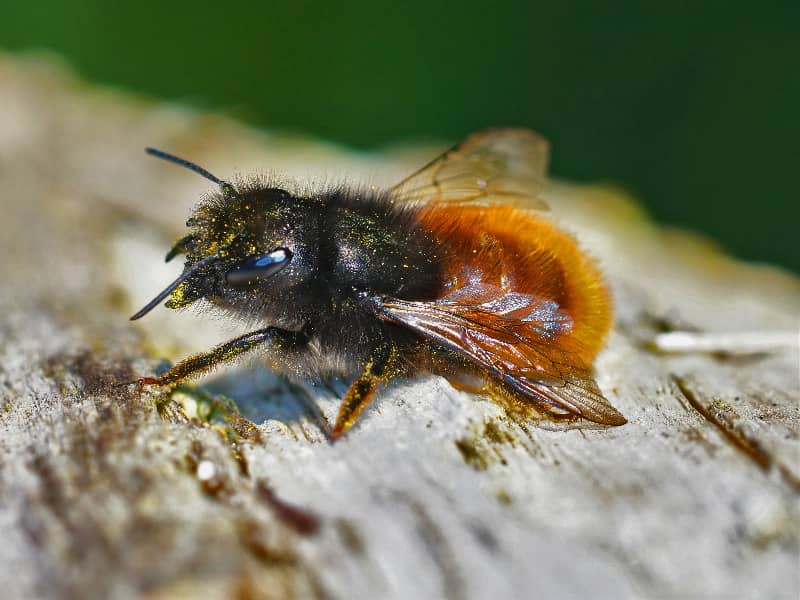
(143, 381)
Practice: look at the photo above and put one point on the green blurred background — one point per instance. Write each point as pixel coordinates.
(692, 106)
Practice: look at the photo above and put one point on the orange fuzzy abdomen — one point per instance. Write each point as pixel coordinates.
(516, 250)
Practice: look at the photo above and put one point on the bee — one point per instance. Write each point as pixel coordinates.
(454, 271)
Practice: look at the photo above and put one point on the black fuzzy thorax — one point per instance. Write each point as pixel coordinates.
(349, 245)
(371, 246)
(371, 243)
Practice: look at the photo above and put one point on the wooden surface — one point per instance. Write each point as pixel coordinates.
(436, 494)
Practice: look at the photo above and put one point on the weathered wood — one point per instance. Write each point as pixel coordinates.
(106, 493)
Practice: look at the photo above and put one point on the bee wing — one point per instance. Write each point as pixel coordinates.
(512, 335)
(499, 165)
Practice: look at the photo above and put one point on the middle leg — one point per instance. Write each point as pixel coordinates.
(380, 368)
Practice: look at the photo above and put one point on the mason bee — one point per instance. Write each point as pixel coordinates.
(453, 271)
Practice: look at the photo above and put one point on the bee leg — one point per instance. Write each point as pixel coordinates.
(199, 363)
(381, 367)
(460, 376)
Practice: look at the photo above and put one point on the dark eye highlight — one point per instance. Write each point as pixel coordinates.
(257, 268)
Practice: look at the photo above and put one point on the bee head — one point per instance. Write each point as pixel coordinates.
(247, 249)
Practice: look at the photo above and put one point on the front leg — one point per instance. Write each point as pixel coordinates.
(200, 363)
(382, 366)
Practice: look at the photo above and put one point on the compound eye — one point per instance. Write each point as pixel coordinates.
(257, 268)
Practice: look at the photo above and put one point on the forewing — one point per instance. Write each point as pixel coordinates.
(512, 335)
(501, 165)
(577, 394)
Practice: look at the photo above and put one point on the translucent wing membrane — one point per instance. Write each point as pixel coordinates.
(578, 395)
(504, 165)
(511, 335)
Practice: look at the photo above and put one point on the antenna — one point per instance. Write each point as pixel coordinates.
(171, 287)
(225, 186)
